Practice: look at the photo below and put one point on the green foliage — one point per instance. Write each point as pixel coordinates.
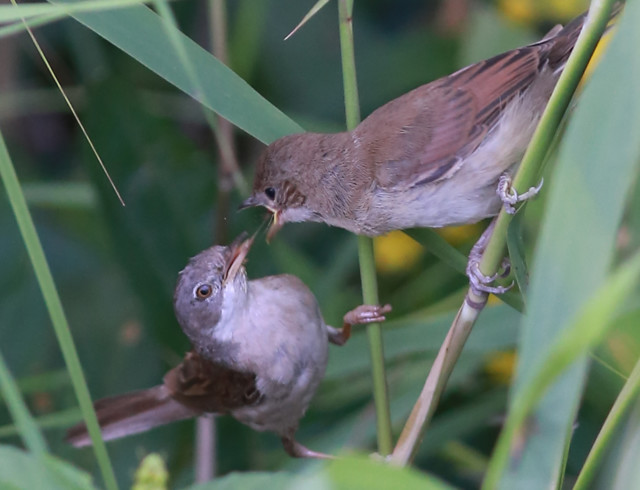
(115, 267)
(23, 471)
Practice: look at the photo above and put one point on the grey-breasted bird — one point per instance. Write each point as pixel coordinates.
(260, 350)
(435, 156)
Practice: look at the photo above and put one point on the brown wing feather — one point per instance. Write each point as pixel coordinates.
(209, 387)
(428, 132)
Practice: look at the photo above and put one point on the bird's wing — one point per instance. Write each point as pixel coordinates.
(210, 387)
(425, 135)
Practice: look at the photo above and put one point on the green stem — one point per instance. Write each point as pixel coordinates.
(376, 347)
(533, 160)
(349, 80)
(628, 395)
(25, 424)
(365, 244)
(56, 312)
(531, 166)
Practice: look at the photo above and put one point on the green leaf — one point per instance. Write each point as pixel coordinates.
(248, 481)
(19, 411)
(627, 395)
(515, 244)
(455, 259)
(10, 13)
(141, 33)
(55, 420)
(577, 244)
(423, 335)
(54, 307)
(582, 333)
(366, 474)
(440, 248)
(627, 473)
(21, 470)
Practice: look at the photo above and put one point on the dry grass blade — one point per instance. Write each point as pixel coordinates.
(71, 108)
(314, 10)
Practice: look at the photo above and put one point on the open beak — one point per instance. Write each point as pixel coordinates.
(239, 250)
(276, 222)
(250, 202)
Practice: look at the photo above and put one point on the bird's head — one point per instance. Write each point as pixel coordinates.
(282, 181)
(210, 288)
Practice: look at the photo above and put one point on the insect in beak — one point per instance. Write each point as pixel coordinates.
(276, 224)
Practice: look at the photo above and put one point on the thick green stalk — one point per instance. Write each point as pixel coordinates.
(365, 244)
(56, 312)
(533, 160)
(530, 168)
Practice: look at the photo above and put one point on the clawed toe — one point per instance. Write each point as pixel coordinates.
(510, 196)
(478, 281)
(361, 315)
(366, 314)
(297, 450)
(481, 283)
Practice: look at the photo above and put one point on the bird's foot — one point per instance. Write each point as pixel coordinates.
(478, 281)
(510, 196)
(481, 283)
(297, 450)
(358, 316)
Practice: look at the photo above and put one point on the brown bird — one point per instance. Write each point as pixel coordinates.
(260, 350)
(439, 155)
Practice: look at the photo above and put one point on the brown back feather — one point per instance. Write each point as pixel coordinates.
(424, 135)
(209, 387)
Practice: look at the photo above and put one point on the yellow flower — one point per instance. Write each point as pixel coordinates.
(456, 235)
(532, 11)
(500, 366)
(597, 54)
(518, 10)
(562, 9)
(396, 252)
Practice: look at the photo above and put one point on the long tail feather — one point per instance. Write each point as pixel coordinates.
(131, 413)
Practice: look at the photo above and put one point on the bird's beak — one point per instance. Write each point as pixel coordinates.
(276, 224)
(250, 202)
(239, 250)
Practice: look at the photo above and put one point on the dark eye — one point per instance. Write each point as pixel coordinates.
(270, 192)
(204, 291)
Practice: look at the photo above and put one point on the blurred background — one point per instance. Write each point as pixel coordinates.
(115, 267)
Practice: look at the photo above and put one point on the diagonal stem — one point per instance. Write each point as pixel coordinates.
(56, 311)
(530, 168)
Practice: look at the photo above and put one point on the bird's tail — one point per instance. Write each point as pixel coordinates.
(131, 413)
(564, 38)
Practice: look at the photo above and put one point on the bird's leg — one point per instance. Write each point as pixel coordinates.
(480, 282)
(297, 450)
(510, 196)
(358, 316)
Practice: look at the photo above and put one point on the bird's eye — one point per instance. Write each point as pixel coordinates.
(270, 192)
(203, 291)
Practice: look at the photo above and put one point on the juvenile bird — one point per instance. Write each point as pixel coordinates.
(260, 350)
(439, 155)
